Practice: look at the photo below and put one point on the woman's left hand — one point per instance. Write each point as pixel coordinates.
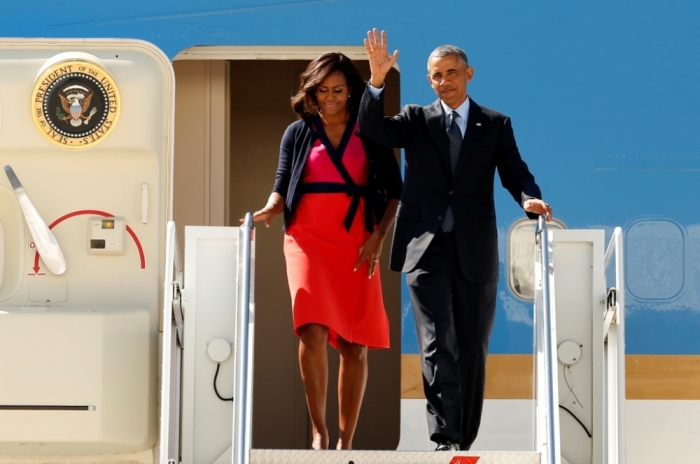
(370, 251)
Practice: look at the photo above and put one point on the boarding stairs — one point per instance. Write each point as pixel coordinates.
(224, 271)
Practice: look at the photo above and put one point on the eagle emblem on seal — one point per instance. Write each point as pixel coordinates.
(75, 102)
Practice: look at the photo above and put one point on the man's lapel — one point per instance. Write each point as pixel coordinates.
(475, 131)
(436, 124)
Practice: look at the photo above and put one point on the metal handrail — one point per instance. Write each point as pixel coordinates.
(545, 338)
(243, 371)
(615, 248)
(173, 265)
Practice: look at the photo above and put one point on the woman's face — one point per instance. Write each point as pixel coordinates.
(332, 94)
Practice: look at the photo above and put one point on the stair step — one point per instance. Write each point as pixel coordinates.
(268, 456)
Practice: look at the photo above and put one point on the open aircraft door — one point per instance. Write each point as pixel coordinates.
(86, 140)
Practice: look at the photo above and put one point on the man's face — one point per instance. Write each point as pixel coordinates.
(448, 76)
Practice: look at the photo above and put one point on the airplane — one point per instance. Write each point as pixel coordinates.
(603, 99)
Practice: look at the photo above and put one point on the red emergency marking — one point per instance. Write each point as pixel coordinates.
(138, 245)
(464, 460)
(93, 212)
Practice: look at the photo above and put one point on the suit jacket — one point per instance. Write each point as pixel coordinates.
(383, 183)
(429, 187)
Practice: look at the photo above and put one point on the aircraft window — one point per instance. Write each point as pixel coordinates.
(521, 256)
(655, 259)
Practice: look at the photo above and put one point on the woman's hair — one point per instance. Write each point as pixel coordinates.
(304, 102)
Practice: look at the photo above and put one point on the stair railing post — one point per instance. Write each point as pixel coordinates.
(242, 402)
(547, 401)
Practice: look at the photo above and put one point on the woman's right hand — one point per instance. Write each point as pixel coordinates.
(274, 206)
(380, 62)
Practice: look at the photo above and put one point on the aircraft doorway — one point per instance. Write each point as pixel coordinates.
(232, 107)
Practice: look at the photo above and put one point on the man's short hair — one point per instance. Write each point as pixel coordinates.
(445, 50)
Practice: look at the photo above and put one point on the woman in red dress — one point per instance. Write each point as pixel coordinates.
(339, 194)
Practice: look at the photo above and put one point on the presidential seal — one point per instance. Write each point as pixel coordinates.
(75, 103)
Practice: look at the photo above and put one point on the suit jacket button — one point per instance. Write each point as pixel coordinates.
(439, 218)
(451, 192)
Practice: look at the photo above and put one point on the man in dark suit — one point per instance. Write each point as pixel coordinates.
(445, 238)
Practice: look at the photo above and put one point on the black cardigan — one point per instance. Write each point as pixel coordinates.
(383, 184)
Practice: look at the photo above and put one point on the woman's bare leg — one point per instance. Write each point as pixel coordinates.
(352, 380)
(313, 361)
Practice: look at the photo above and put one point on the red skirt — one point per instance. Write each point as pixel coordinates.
(321, 256)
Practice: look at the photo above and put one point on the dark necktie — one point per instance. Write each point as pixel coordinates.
(455, 136)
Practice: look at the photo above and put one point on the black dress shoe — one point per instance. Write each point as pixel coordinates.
(447, 446)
